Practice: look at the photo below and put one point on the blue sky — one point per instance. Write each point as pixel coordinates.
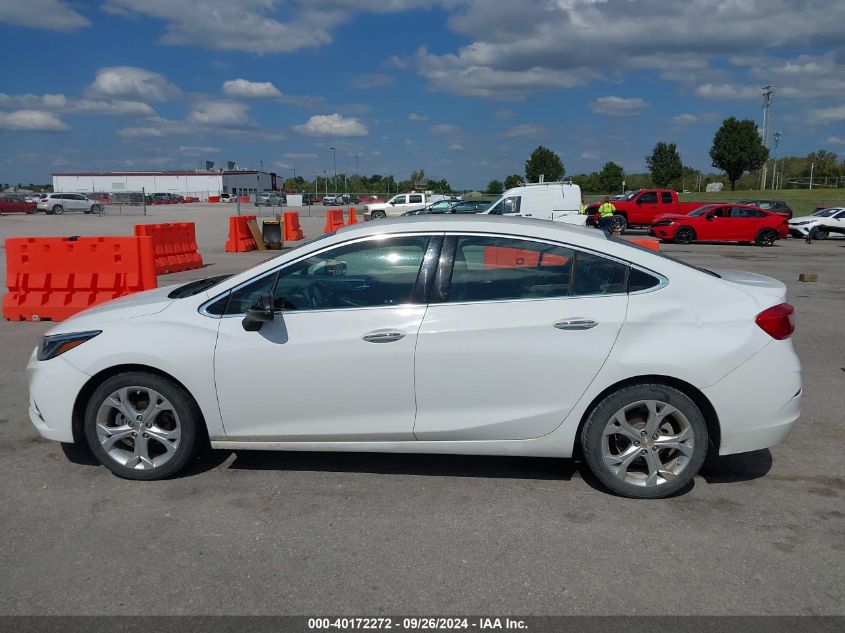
(464, 89)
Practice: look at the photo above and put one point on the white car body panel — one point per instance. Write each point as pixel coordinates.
(696, 328)
(556, 201)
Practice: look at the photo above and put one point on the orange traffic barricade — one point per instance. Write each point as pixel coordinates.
(214, 198)
(334, 220)
(504, 257)
(174, 244)
(293, 231)
(353, 219)
(647, 242)
(53, 278)
(240, 238)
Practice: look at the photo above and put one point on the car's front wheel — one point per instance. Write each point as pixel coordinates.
(618, 223)
(378, 215)
(684, 235)
(58, 209)
(766, 237)
(645, 441)
(142, 426)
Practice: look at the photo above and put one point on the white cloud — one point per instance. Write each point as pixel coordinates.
(300, 156)
(229, 114)
(456, 147)
(190, 150)
(140, 132)
(282, 165)
(590, 156)
(417, 117)
(835, 140)
(332, 125)
(523, 131)
(504, 114)
(685, 119)
(132, 82)
(53, 15)
(63, 104)
(32, 120)
(618, 106)
(727, 92)
(829, 115)
(250, 89)
(444, 129)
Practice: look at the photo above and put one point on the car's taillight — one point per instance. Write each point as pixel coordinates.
(777, 321)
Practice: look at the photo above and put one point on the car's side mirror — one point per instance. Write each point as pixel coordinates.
(259, 314)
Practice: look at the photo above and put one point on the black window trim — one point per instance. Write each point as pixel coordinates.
(432, 235)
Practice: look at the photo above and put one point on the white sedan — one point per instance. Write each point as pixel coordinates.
(822, 222)
(435, 334)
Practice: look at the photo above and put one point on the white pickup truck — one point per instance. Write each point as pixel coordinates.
(397, 205)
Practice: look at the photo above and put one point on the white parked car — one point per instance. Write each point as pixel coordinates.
(823, 222)
(58, 203)
(434, 334)
(228, 197)
(557, 201)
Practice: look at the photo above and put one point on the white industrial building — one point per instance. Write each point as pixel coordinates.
(184, 183)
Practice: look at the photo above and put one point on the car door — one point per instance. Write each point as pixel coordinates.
(513, 336)
(78, 202)
(715, 225)
(745, 223)
(337, 360)
(647, 208)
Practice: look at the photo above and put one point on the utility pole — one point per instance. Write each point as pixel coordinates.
(334, 166)
(812, 168)
(775, 169)
(768, 96)
(326, 180)
(356, 165)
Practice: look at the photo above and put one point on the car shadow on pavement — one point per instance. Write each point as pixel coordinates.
(733, 468)
(407, 464)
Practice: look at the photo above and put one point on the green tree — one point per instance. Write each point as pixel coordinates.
(544, 162)
(514, 180)
(494, 187)
(737, 148)
(664, 164)
(610, 178)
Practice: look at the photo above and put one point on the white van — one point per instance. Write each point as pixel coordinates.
(557, 201)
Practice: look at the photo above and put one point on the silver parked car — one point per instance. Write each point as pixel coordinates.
(58, 203)
(269, 199)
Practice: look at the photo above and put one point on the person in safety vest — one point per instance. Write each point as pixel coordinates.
(583, 207)
(606, 211)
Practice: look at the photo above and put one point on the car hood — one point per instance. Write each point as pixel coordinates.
(127, 307)
(805, 219)
(760, 285)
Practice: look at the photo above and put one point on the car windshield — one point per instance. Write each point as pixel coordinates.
(826, 213)
(701, 210)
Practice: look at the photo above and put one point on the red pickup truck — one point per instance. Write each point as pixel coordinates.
(642, 207)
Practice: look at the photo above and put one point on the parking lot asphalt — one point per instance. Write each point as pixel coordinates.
(312, 534)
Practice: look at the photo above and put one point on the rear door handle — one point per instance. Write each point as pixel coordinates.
(576, 324)
(383, 337)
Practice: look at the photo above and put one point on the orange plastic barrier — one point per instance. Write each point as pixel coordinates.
(53, 278)
(503, 257)
(334, 220)
(353, 219)
(243, 199)
(647, 242)
(293, 231)
(214, 198)
(174, 244)
(240, 239)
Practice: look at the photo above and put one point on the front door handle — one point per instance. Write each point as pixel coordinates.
(576, 324)
(383, 337)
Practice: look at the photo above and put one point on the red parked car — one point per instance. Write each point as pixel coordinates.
(722, 223)
(16, 204)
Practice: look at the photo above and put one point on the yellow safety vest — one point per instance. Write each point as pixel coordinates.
(583, 209)
(606, 210)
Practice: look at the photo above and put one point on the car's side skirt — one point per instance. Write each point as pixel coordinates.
(546, 446)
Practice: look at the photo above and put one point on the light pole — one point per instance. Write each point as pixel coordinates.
(812, 167)
(775, 170)
(356, 165)
(334, 167)
(326, 180)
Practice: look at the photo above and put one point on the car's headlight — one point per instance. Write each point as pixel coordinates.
(664, 223)
(58, 344)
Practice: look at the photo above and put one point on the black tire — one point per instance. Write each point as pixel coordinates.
(618, 223)
(593, 440)
(766, 237)
(378, 215)
(189, 423)
(684, 235)
(95, 209)
(821, 234)
(58, 209)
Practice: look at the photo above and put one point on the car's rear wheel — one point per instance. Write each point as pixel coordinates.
(142, 426)
(58, 209)
(618, 223)
(684, 235)
(766, 237)
(96, 209)
(821, 234)
(645, 441)
(378, 215)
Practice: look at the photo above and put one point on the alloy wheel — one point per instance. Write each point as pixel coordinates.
(647, 443)
(138, 428)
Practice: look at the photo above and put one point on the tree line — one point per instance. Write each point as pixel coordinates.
(737, 150)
